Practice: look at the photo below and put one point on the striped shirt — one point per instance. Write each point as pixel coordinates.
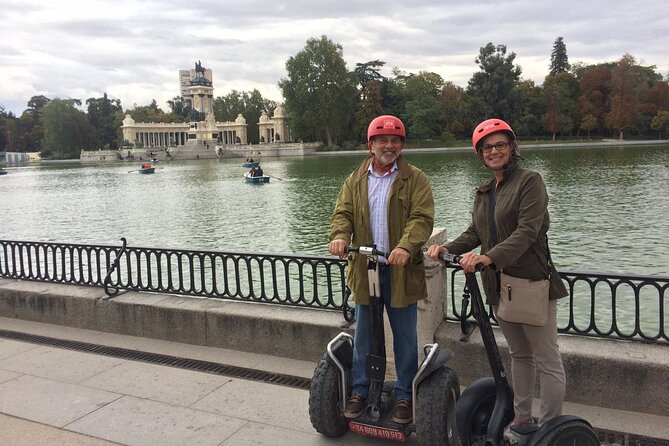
(378, 195)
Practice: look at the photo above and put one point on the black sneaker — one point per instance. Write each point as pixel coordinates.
(354, 406)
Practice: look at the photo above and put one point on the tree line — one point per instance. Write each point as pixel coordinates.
(328, 103)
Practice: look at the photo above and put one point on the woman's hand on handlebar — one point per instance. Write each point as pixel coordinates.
(338, 248)
(470, 260)
(434, 250)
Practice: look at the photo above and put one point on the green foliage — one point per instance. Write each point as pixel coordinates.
(559, 97)
(660, 123)
(493, 90)
(319, 92)
(249, 104)
(66, 129)
(102, 114)
(559, 59)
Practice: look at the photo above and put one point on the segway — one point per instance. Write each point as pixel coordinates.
(435, 387)
(486, 406)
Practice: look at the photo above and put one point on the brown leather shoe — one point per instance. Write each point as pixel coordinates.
(354, 406)
(403, 413)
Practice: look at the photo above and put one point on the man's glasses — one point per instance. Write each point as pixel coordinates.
(500, 146)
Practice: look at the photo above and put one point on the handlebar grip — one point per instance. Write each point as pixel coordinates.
(452, 258)
(367, 250)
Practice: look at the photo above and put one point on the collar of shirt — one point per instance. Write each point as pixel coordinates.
(374, 173)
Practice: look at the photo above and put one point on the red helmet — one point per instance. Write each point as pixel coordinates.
(490, 126)
(386, 125)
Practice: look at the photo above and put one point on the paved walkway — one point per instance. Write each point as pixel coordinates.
(57, 396)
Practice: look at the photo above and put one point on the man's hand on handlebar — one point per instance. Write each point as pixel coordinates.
(399, 257)
(338, 248)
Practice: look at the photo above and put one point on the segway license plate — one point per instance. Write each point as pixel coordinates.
(375, 431)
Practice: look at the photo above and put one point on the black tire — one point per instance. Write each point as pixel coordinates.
(570, 433)
(436, 399)
(325, 411)
(473, 411)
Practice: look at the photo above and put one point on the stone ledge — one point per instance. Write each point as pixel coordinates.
(257, 328)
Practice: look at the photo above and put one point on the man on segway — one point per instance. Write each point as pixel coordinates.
(386, 202)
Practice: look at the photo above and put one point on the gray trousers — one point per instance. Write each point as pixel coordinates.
(535, 350)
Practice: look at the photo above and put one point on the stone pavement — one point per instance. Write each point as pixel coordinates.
(55, 396)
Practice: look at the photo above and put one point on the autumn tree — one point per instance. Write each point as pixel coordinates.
(625, 82)
(319, 92)
(595, 93)
(559, 59)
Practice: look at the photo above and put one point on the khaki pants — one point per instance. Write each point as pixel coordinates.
(535, 349)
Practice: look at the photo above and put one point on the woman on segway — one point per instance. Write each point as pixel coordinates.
(514, 242)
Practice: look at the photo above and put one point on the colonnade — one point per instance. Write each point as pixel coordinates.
(161, 139)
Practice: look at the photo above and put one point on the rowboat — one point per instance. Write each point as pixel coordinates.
(256, 180)
(253, 164)
(146, 168)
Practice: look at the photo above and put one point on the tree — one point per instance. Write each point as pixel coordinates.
(492, 91)
(660, 123)
(452, 107)
(319, 92)
(529, 110)
(368, 107)
(423, 115)
(560, 93)
(595, 97)
(559, 60)
(625, 82)
(368, 71)
(589, 123)
(179, 108)
(31, 133)
(66, 129)
(102, 116)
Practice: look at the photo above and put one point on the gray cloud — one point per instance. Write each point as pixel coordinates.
(133, 50)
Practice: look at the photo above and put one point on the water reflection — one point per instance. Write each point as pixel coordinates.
(608, 206)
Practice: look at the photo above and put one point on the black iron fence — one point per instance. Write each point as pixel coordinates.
(599, 304)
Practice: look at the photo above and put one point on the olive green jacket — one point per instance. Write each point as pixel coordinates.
(410, 222)
(521, 217)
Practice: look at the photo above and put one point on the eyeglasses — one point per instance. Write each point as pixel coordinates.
(500, 146)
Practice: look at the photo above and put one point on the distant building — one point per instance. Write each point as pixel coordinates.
(274, 129)
(204, 132)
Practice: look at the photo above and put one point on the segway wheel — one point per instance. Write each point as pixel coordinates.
(473, 411)
(568, 434)
(436, 399)
(325, 411)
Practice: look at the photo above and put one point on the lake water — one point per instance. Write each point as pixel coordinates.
(609, 206)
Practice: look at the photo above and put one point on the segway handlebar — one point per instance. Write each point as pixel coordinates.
(367, 250)
(452, 258)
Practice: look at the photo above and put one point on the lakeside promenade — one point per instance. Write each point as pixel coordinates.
(56, 396)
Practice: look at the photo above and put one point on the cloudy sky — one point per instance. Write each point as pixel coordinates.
(133, 49)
